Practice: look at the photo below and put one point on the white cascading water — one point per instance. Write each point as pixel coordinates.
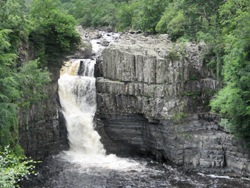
(78, 99)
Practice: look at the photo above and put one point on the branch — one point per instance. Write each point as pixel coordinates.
(203, 15)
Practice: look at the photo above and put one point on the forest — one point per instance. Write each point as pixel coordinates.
(47, 27)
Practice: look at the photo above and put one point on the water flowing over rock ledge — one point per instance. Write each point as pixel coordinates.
(153, 99)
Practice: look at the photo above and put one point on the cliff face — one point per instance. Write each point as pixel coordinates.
(153, 99)
(42, 128)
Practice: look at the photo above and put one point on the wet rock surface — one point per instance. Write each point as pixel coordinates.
(199, 143)
(57, 173)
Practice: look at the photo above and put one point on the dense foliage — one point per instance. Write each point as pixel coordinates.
(53, 32)
(234, 99)
(13, 75)
(223, 25)
(13, 168)
(48, 32)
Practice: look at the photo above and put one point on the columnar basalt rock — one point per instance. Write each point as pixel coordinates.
(153, 99)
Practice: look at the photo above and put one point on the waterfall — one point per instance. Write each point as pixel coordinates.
(77, 94)
(78, 99)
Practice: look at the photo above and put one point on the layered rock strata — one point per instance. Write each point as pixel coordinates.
(153, 99)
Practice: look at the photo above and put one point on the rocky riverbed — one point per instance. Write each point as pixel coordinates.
(145, 173)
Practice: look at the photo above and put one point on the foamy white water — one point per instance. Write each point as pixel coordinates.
(78, 99)
(97, 47)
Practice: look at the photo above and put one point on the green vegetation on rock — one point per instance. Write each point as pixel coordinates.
(233, 100)
(53, 32)
(14, 169)
(50, 35)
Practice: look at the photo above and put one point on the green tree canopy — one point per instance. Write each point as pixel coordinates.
(53, 34)
(150, 14)
(233, 101)
(173, 21)
(19, 87)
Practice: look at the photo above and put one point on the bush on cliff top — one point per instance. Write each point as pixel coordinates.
(53, 34)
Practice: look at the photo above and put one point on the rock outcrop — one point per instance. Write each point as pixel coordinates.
(84, 49)
(42, 128)
(153, 99)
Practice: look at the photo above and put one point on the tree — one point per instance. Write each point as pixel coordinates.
(201, 13)
(19, 87)
(14, 75)
(54, 35)
(233, 101)
(82, 11)
(150, 15)
(8, 92)
(12, 16)
(173, 21)
(126, 14)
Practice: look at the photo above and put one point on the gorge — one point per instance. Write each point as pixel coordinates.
(151, 98)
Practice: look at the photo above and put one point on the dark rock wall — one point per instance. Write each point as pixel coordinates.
(122, 134)
(198, 143)
(153, 99)
(42, 129)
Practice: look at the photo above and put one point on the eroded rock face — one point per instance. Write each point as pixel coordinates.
(166, 79)
(42, 128)
(153, 99)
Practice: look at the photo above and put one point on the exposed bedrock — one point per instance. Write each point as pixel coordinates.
(43, 129)
(153, 99)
